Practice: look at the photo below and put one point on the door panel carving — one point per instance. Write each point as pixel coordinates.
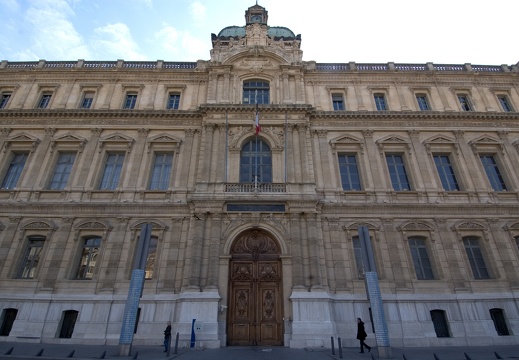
(255, 308)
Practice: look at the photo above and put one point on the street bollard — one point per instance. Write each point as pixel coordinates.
(333, 346)
(339, 344)
(176, 344)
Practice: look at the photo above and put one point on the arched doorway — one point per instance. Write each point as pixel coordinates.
(255, 314)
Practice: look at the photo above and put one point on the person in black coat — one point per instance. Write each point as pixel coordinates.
(167, 336)
(361, 335)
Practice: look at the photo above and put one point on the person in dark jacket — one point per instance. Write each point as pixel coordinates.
(361, 335)
(167, 336)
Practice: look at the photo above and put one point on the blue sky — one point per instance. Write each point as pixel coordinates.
(376, 31)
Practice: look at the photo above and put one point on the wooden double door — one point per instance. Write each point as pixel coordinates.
(255, 313)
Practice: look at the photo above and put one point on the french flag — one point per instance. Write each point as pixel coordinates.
(258, 127)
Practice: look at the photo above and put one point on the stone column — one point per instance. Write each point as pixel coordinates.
(215, 151)
(7, 242)
(401, 97)
(214, 251)
(469, 158)
(4, 134)
(358, 95)
(140, 150)
(395, 251)
(187, 151)
(447, 240)
(171, 246)
(113, 252)
(226, 90)
(59, 242)
(316, 280)
(30, 180)
(420, 157)
(511, 154)
(325, 159)
(305, 164)
(205, 152)
(108, 95)
(297, 256)
(67, 90)
(222, 154)
(338, 262)
(290, 165)
(373, 160)
(195, 251)
(286, 89)
(87, 158)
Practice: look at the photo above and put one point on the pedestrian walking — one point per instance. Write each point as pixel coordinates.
(167, 337)
(361, 335)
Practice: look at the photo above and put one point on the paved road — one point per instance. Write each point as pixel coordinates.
(29, 351)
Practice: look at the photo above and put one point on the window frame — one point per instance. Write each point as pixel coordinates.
(443, 320)
(254, 141)
(504, 101)
(7, 178)
(259, 98)
(418, 264)
(70, 167)
(495, 179)
(338, 103)
(377, 98)
(27, 258)
(130, 100)
(452, 177)
(112, 183)
(45, 99)
(82, 269)
(5, 99)
(424, 105)
(162, 182)
(403, 165)
(87, 95)
(176, 104)
(475, 268)
(466, 105)
(347, 168)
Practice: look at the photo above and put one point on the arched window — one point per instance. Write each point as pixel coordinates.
(255, 160)
(256, 92)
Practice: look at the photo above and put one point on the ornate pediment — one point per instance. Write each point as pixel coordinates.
(468, 225)
(416, 226)
(22, 139)
(69, 138)
(155, 225)
(440, 140)
(93, 225)
(117, 138)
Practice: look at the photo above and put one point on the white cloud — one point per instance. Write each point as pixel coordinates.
(52, 34)
(9, 5)
(117, 40)
(198, 10)
(180, 45)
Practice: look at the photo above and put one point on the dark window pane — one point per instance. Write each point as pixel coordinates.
(475, 256)
(492, 170)
(397, 172)
(349, 172)
(255, 162)
(112, 171)
(446, 172)
(14, 171)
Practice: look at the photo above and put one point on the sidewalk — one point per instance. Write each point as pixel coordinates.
(30, 351)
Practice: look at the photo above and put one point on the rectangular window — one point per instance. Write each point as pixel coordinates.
(498, 318)
(14, 171)
(475, 256)
(173, 101)
(31, 258)
(338, 102)
(112, 171)
(349, 172)
(464, 103)
(505, 104)
(421, 261)
(493, 173)
(439, 320)
(256, 92)
(88, 99)
(8, 318)
(62, 170)
(44, 101)
(150, 259)
(161, 172)
(4, 99)
(380, 102)
(89, 254)
(446, 172)
(423, 104)
(130, 101)
(397, 172)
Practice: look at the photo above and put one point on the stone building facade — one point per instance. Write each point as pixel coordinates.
(255, 234)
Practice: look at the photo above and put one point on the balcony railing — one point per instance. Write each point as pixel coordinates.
(255, 188)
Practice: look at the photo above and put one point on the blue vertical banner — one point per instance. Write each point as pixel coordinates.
(193, 337)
